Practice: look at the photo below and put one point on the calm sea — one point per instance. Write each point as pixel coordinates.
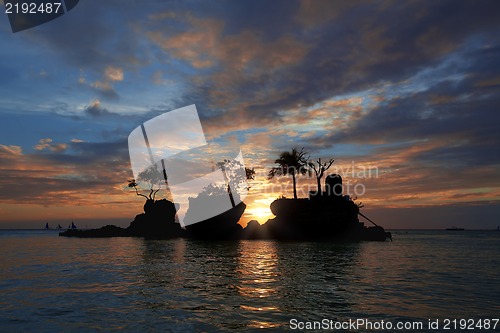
(55, 284)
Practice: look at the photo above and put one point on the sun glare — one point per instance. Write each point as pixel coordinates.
(259, 210)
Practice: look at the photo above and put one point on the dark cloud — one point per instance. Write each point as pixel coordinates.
(106, 92)
(352, 47)
(115, 150)
(95, 110)
(93, 36)
(377, 42)
(458, 108)
(78, 173)
(89, 155)
(255, 58)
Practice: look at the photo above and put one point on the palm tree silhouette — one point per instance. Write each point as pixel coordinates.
(291, 163)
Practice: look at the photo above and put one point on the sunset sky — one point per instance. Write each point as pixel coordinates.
(408, 90)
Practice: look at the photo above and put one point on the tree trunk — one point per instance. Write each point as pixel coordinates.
(294, 186)
(318, 179)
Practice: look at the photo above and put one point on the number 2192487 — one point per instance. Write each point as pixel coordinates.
(32, 8)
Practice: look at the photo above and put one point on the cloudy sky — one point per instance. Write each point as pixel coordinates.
(404, 95)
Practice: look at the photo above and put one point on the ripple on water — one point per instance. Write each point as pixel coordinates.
(58, 284)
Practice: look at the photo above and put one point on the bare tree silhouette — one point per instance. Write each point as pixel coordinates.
(319, 170)
(153, 177)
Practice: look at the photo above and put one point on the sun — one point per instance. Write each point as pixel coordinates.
(260, 212)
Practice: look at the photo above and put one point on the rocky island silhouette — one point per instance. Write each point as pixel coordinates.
(324, 215)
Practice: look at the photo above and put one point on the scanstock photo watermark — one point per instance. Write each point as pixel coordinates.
(351, 180)
(170, 151)
(365, 324)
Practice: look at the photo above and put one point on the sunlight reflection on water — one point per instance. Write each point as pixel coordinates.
(54, 284)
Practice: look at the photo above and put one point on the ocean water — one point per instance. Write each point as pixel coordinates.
(55, 284)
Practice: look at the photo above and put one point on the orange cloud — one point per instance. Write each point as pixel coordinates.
(159, 79)
(9, 151)
(197, 46)
(205, 45)
(46, 144)
(112, 73)
(73, 186)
